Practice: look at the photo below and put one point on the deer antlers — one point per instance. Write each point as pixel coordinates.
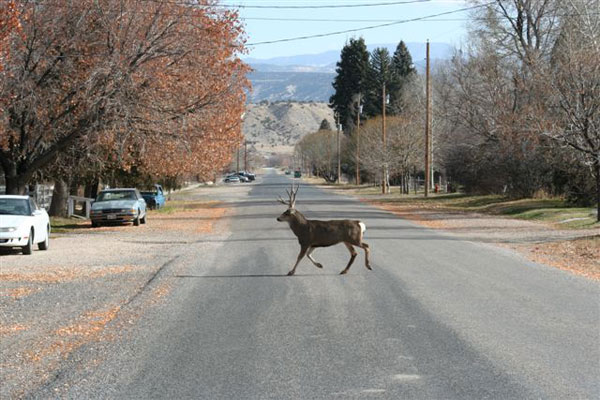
(292, 195)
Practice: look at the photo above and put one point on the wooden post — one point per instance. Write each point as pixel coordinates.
(384, 170)
(358, 142)
(427, 125)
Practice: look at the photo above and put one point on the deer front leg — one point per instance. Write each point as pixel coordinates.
(352, 257)
(308, 254)
(303, 250)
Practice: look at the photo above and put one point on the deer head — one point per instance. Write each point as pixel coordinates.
(291, 203)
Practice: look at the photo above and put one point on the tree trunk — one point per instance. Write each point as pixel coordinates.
(597, 169)
(14, 183)
(58, 206)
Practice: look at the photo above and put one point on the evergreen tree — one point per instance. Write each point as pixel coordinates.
(325, 125)
(350, 81)
(380, 73)
(403, 70)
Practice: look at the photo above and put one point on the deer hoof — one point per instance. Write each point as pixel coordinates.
(319, 265)
(343, 272)
(290, 273)
(369, 268)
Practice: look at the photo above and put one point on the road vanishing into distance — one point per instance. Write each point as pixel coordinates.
(437, 318)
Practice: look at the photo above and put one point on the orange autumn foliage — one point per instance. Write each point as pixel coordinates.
(158, 86)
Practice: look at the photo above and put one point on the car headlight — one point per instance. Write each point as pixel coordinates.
(8, 229)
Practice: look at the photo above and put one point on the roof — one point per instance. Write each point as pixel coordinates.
(117, 189)
(12, 196)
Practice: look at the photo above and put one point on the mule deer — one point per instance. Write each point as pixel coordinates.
(313, 233)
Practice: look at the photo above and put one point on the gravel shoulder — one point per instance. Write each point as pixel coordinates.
(92, 284)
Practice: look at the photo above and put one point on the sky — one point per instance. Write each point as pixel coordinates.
(272, 24)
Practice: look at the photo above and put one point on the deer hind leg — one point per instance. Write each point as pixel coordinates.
(300, 255)
(353, 254)
(365, 247)
(308, 254)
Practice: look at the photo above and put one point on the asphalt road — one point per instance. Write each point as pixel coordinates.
(437, 318)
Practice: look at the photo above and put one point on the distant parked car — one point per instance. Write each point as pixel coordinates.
(243, 178)
(288, 172)
(297, 174)
(118, 206)
(155, 198)
(248, 175)
(23, 223)
(232, 179)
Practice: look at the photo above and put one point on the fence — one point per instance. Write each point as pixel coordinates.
(42, 194)
(79, 207)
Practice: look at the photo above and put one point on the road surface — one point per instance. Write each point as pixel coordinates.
(437, 318)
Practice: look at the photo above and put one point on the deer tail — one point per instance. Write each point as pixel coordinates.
(363, 227)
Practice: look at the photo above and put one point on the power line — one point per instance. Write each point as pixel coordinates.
(367, 27)
(433, 19)
(273, 7)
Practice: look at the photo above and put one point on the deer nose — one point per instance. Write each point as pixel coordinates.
(278, 219)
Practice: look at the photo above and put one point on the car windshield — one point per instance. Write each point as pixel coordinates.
(117, 195)
(150, 192)
(14, 207)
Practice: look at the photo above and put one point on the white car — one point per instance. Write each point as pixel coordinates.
(118, 206)
(23, 223)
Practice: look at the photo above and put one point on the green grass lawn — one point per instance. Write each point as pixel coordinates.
(64, 225)
(551, 210)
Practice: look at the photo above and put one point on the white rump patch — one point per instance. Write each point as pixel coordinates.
(363, 227)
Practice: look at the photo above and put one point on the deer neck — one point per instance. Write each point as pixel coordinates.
(298, 224)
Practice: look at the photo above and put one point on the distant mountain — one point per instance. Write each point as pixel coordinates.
(308, 77)
(299, 86)
(326, 61)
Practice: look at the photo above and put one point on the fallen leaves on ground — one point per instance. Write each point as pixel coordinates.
(579, 256)
(67, 274)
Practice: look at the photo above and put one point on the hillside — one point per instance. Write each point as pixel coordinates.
(276, 127)
(290, 85)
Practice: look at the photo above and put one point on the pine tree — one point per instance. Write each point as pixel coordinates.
(380, 74)
(325, 125)
(403, 70)
(350, 81)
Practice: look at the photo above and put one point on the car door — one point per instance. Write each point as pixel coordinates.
(160, 198)
(141, 203)
(39, 222)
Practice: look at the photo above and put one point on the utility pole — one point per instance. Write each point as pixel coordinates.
(427, 125)
(339, 164)
(246, 155)
(358, 142)
(384, 178)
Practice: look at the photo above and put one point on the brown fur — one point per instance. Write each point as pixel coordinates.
(314, 233)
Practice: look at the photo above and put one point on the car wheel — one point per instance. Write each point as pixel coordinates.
(95, 224)
(46, 243)
(143, 220)
(28, 249)
(136, 221)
